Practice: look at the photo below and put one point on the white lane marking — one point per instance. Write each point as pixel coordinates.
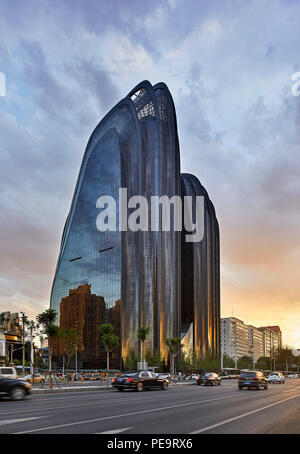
(15, 421)
(131, 414)
(226, 421)
(114, 431)
(100, 403)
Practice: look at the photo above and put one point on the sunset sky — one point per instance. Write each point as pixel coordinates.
(228, 65)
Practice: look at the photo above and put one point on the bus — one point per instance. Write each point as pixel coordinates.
(229, 372)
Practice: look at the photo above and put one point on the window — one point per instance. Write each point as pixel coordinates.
(6, 371)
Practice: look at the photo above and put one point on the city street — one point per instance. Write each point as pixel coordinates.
(182, 409)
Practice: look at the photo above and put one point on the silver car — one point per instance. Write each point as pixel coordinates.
(276, 377)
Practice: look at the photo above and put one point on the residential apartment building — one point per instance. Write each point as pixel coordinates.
(234, 338)
(272, 339)
(239, 339)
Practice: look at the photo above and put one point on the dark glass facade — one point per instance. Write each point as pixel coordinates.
(201, 277)
(150, 278)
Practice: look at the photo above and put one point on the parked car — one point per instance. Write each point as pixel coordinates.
(8, 372)
(139, 380)
(209, 378)
(167, 377)
(38, 378)
(276, 377)
(253, 379)
(15, 389)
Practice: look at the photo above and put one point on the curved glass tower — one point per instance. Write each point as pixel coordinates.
(201, 276)
(144, 277)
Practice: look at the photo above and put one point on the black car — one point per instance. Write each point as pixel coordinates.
(253, 379)
(209, 379)
(139, 380)
(15, 389)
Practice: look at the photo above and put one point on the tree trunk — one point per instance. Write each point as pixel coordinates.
(50, 364)
(107, 367)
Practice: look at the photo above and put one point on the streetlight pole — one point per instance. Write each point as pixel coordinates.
(31, 349)
(23, 341)
(76, 359)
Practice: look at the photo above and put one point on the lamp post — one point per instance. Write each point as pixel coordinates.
(76, 359)
(23, 341)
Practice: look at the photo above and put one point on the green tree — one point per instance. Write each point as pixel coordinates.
(245, 362)
(209, 363)
(174, 345)
(284, 358)
(154, 360)
(70, 339)
(142, 334)
(228, 361)
(47, 320)
(110, 342)
(130, 361)
(185, 363)
(263, 363)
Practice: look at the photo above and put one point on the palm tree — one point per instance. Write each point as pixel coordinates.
(142, 334)
(110, 342)
(47, 320)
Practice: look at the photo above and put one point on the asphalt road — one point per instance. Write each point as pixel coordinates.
(182, 409)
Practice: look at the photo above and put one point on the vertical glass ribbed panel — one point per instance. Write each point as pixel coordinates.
(201, 261)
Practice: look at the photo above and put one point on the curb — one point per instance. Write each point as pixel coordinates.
(68, 390)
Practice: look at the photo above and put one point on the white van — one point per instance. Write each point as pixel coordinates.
(8, 372)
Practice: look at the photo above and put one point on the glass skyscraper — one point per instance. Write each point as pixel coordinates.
(154, 277)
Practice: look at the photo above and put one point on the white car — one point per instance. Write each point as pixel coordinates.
(276, 377)
(8, 372)
(165, 376)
